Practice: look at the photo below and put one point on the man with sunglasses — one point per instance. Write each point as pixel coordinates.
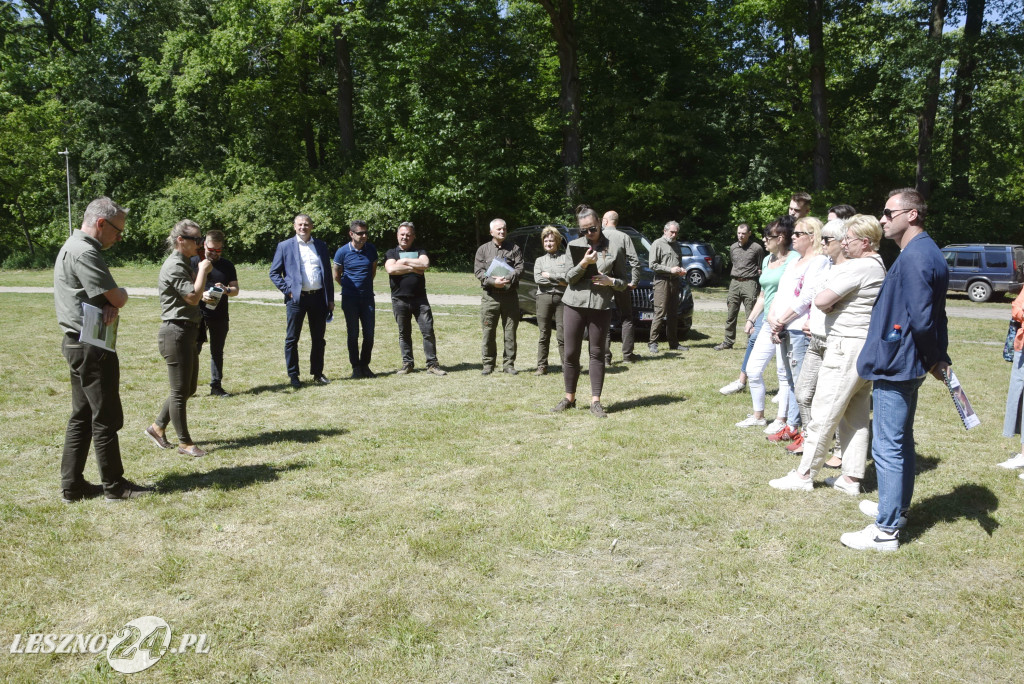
(355, 267)
(81, 276)
(906, 340)
(299, 270)
(215, 307)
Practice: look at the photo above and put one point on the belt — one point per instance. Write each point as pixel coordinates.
(312, 292)
(183, 324)
(742, 280)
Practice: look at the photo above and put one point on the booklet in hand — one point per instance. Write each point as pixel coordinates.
(95, 331)
(576, 253)
(961, 402)
(499, 268)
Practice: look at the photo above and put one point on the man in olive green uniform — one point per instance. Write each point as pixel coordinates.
(666, 257)
(623, 299)
(81, 276)
(500, 299)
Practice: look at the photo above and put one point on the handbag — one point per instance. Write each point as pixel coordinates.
(1011, 335)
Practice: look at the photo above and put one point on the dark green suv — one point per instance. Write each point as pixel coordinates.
(981, 269)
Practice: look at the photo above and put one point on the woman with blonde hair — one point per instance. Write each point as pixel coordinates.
(788, 315)
(841, 397)
(180, 290)
(549, 273)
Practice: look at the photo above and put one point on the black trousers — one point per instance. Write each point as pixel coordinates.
(96, 414)
(315, 305)
(218, 332)
(596, 322)
(178, 347)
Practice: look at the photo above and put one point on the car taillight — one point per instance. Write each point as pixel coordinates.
(710, 260)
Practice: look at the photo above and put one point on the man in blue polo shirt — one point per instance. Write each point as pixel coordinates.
(355, 265)
(907, 339)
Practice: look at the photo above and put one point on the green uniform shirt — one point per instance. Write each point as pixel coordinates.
(80, 275)
(612, 262)
(665, 256)
(556, 266)
(176, 281)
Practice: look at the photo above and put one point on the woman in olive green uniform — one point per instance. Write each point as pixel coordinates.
(180, 291)
(588, 301)
(549, 273)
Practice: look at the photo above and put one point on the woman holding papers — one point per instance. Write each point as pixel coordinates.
(600, 269)
(549, 273)
(180, 290)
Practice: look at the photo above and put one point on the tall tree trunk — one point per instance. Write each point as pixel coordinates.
(343, 69)
(822, 143)
(308, 135)
(926, 119)
(563, 27)
(963, 100)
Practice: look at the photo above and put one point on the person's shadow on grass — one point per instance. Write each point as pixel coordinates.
(922, 464)
(227, 478)
(971, 501)
(651, 400)
(274, 437)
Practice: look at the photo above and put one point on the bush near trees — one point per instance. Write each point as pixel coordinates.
(241, 113)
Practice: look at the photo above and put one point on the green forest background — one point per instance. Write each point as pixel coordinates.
(241, 113)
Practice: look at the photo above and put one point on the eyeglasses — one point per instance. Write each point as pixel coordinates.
(214, 250)
(198, 239)
(850, 238)
(889, 213)
(591, 230)
(359, 233)
(799, 232)
(826, 240)
(771, 237)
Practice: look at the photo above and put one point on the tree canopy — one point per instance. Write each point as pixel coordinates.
(241, 113)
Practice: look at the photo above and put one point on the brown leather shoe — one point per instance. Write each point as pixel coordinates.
(191, 450)
(158, 439)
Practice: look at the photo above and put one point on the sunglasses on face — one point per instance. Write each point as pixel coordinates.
(198, 239)
(827, 240)
(889, 213)
(591, 230)
(359, 233)
(799, 232)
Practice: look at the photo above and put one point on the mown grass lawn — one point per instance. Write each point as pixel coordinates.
(451, 529)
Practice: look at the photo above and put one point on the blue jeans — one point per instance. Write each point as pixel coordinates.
(358, 309)
(794, 348)
(750, 340)
(1011, 423)
(892, 447)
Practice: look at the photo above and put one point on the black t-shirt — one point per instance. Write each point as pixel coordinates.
(223, 272)
(407, 285)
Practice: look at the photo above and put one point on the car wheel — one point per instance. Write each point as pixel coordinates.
(696, 278)
(979, 291)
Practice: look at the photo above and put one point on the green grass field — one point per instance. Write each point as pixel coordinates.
(451, 529)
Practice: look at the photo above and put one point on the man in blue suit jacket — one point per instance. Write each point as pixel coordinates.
(907, 339)
(301, 271)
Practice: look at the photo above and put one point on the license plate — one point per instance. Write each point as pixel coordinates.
(646, 315)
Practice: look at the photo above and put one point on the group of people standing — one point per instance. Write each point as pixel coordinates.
(843, 331)
(840, 328)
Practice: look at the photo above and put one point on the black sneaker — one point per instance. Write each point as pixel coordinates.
(564, 405)
(357, 373)
(218, 391)
(126, 489)
(321, 380)
(84, 490)
(597, 410)
(367, 373)
(295, 382)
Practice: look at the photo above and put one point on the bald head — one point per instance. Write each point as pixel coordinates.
(610, 219)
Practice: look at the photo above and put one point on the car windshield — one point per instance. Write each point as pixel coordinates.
(643, 251)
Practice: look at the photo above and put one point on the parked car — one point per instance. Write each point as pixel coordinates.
(702, 264)
(981, 269)
(528, 239)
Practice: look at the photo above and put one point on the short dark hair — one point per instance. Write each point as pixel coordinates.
(215, 236)
(842, 211)
(783, 227)
(357, 223)
(801, 197)
(911, 199)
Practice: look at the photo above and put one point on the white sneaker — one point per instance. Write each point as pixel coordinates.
(1021, 476)
(870, 509)
(750, 421)
(871, 538)
(792, 481)
(839, 482)
(775, 426)
(775, 399)
(733, 387)
(1013, 463)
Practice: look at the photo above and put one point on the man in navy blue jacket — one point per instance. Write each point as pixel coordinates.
(301, 270)
(906, 340)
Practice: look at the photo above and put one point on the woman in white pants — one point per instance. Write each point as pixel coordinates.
(778, 239)
(842, 398)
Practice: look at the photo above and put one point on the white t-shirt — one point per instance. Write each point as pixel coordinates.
(857, 282)
(796, 290)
